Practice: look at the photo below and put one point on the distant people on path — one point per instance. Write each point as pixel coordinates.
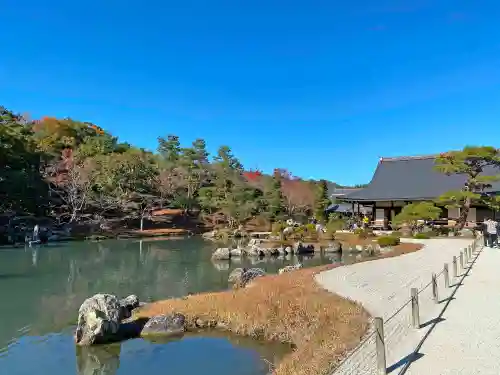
(491, 232)
(366, 221)
(484, 225)
(498, 234)
(36, 233)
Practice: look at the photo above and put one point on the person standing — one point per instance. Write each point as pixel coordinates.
(36, 232)
(484, 227)
(498, 233)
(491, 230)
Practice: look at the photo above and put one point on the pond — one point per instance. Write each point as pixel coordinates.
(42, 289)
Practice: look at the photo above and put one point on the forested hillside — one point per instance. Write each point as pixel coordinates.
(75, 171)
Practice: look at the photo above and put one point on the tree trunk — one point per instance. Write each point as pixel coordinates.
(464, 213)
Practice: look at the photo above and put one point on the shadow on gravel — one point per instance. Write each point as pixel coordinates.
(415, 355)
(447, 299)
(408, 359)
(432, 321)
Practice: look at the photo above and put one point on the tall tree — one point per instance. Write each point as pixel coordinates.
(169, 149)
(71, 182)
(22, 187)
(471, 162)
(321, 199)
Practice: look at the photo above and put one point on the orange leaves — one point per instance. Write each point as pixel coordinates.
(97, 129)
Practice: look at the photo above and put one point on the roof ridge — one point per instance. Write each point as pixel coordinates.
(402, 158)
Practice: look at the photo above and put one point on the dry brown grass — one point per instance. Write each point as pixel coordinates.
(290, 308)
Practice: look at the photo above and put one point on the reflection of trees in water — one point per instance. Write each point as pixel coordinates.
(98, 360)
(159, 270)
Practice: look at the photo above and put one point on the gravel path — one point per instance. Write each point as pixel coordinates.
(468, 340)
(383, 287)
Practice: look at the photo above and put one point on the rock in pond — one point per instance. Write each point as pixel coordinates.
(297, 266)
(334, 247)
(98, 320)
(236, 252)
(256, 251)
(235, 275)
(251, 274)
(222, 253)
(127, 304)
(300, 248)
(244, 276)
(165, 325)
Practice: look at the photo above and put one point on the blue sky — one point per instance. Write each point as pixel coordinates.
(323, 88)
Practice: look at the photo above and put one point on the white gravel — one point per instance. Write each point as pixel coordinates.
(383, 286)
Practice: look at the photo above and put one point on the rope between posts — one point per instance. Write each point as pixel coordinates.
(356, 349)
(398, 311)
(365, 340)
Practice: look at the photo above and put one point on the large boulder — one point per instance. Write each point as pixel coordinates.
(165, 325)
(98, 320)
(128, 304)
(222, 253)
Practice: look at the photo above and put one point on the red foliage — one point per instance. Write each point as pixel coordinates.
(252, 175)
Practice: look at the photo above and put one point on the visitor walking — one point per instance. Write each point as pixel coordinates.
(491, 231)
(366, 221)
(498, 234)
(484, 226)
(36, 232)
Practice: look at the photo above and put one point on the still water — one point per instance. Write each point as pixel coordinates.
(42, 288)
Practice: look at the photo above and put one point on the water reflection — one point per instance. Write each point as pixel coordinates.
(45, 286)
(52, 281)
(102, 360)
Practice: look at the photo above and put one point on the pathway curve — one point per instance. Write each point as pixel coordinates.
(383, 287)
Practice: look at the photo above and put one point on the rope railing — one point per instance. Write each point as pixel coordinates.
(372, 348)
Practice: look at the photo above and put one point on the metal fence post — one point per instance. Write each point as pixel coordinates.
(461, 261)
(455, 267)
(435, 296)
(446, 275)
(380, 345)
(415, 314)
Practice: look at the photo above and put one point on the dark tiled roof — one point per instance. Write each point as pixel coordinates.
(340, 207)
(411, 178)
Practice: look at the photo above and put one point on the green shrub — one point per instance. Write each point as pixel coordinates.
(422, 236)
(385, 241)
(442, 231)
(363, 233)
(277, 228)
(310, 227)
(396, 233)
